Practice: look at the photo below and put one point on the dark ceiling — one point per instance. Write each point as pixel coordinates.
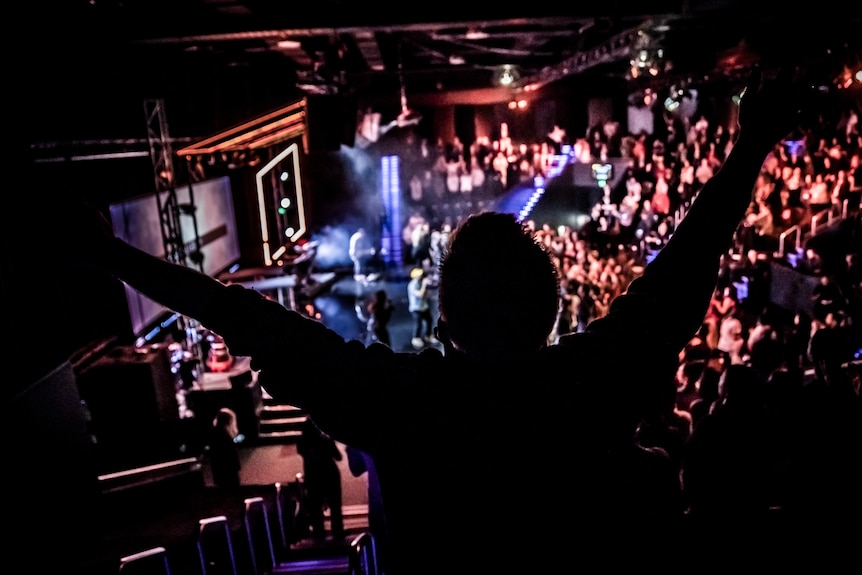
(227, 60)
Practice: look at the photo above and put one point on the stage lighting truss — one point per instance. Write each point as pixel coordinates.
(648, 57)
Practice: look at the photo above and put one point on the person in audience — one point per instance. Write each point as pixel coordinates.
(696, 349)
(728, 468)
(707, 386)
(766, 350)
(732, 335)
(321, 480)
(482, 447)
(755, 273)
(223, 450)
(380, 311)
(419, 306)
(826, 297)
(668, 428)
(720, 305)
(822, 475)
(688, 375)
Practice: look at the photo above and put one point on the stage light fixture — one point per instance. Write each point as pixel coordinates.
(507, 75)
(648, 57)
(290, 44)
(675, 97)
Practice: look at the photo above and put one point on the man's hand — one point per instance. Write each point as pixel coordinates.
(770, 109)
(82, 230)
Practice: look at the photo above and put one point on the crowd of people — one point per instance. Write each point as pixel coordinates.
(811, 177)
(813, 171)
(754, 369)
(601, 459)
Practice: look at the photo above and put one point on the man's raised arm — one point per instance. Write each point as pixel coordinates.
(678, 283)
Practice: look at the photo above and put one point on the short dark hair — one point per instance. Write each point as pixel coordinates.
(499, 290)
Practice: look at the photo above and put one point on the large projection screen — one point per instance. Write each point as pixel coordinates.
(137, 222)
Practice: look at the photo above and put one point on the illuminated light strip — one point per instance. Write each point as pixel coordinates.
(279, 252)
(147, 337)
(148, 468)
(292, 131)
(261, 204)
(390, 191)
(107, 156)
(559, 161)
(262, 133)
(265, 136)
(527, 208)
(252, 137)
(217, 142)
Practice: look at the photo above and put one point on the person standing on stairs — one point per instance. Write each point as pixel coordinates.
(321, 480)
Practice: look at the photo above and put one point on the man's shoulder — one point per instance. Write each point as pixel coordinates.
(580, 342)
(574, 349)
(611, 350)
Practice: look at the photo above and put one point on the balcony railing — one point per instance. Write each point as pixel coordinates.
(811, 228)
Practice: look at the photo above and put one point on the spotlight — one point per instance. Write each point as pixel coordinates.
(507, 75)
(674, 98)
(290, 44)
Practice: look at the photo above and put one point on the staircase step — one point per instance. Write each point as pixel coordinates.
(271, 413)
(325, 566)
(273, 405)
(272, 423)
(277, 436)
(279, 421)
(281, 428)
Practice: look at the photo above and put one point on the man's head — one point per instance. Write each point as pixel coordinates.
(499, 290)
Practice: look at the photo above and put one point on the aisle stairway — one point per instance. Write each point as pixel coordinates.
(279, 422)
(208, 531)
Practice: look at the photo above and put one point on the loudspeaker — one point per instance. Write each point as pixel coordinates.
(330, 121)
(131, 397)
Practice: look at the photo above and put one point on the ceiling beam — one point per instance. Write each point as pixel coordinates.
(618, 47)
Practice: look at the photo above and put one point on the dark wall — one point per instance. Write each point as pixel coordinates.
(51, 466)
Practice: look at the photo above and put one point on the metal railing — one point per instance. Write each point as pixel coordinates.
(363, 555)
(818, 221)
(782, 239)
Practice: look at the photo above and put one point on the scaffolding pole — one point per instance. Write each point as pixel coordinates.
(170, 211)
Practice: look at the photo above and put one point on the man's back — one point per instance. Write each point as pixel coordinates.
(491, 462)
(436, 426)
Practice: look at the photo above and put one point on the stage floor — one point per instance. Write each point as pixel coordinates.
(342, 307)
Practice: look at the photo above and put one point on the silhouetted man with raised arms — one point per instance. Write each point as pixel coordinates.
(502, 452)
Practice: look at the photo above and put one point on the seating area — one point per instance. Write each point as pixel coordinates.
(262, 537)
